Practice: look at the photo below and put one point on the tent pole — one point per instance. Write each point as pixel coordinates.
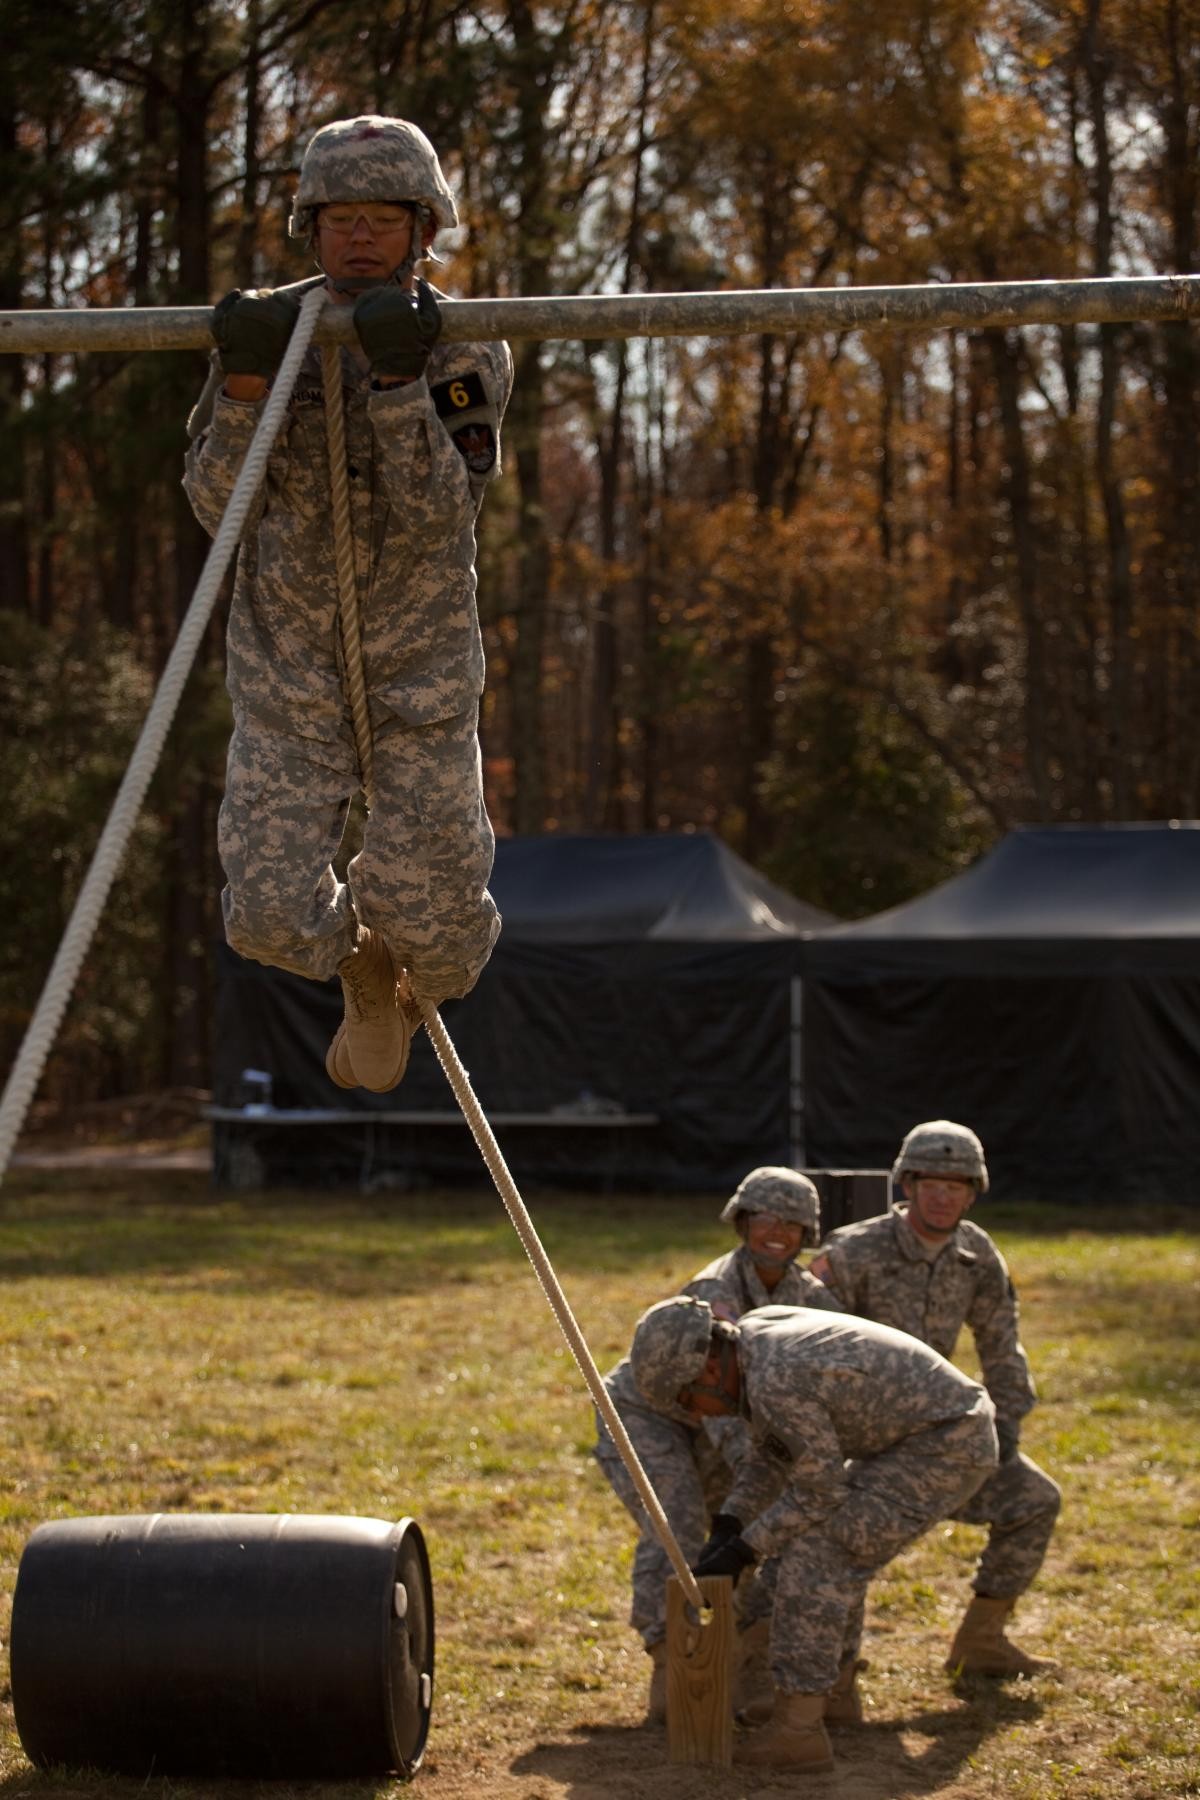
(796, 1072)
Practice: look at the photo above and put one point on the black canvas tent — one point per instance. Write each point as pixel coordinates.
(636, 1023)
(1049, 997)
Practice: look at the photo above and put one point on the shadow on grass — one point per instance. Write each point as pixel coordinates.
(111, 1226)
(97, 1225)
(878, 1756)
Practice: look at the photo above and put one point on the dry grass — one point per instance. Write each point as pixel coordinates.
(162, 1349)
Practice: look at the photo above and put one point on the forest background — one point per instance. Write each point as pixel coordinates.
(857, 601)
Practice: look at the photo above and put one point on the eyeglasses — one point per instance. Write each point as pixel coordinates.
(379, 220)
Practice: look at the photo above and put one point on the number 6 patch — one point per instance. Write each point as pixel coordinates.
(459, 395)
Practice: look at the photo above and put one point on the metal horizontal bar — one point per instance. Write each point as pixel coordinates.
(961, 305)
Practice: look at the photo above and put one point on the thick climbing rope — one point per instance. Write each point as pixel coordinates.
(456, 1074)
(347, 575)
(106, 860)
(506, 1187)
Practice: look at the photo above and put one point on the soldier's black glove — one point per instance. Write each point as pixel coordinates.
(729, 1557)
(396, 328)
(723, 1526)
(1009, 1433)
(251, 331)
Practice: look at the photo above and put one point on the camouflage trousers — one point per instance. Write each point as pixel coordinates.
(1020, 1505)
(691, 1480)
(420, 877)
(891, 1500)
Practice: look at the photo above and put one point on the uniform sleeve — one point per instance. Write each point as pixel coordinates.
(994, 1320)
(439, 443)
(818, 1295)
(731, 1436)
(835, 1270)
(802, 1449)
(722, 1296)
(220, 431)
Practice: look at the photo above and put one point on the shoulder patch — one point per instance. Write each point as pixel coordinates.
(458, 395)
(477, 444)
(775, 1447)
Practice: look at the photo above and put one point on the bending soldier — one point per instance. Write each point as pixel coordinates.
(862, 1438)
(775, 1212)
(926, 1269)
(422, 443)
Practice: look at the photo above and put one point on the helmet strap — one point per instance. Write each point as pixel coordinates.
(719, 1389)
(762, 1261)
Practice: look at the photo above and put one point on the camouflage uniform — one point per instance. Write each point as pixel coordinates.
(733, 1282)
(689, 1460)
(732, 1286)
(677, 1460)
(420, 457)
(874, 1437)
(880, 1270)
(688, 1464)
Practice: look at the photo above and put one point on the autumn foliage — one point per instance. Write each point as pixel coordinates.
(858, 601)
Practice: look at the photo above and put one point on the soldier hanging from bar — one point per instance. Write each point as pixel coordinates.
(414, 921)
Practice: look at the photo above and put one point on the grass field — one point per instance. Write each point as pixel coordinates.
(165, 1349)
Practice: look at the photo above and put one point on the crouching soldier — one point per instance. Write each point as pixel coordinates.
(775, 1212)
(862, 1438)
(926, 1269)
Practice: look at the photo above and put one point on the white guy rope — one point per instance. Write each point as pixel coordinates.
(446, 1053)
(43, 1027)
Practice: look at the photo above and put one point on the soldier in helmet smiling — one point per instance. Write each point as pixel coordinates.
(422, 429)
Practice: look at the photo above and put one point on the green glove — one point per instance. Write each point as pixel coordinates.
(251, 331)
(396, 328)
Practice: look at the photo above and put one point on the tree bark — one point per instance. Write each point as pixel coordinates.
(1120, 578)
(1017, 488)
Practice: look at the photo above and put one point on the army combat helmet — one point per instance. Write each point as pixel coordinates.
(670, 1347)
(371, 159)
(784, 1192)
(942, 1148)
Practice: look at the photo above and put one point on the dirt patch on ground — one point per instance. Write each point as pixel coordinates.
(926, 1750)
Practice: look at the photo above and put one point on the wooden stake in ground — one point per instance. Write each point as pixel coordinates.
(700, 1674)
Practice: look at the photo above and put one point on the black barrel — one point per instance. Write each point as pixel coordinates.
(224, 1644)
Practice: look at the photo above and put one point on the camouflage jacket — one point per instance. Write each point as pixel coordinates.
(419, 459)
(877, 1270)
(733, 1283)
(819, 1388)
(732, 1286)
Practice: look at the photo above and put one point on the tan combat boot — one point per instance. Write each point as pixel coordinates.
(981, 1648)
(753, 1688)
(844, 1705)
(337, 1060)
(656, 1704)
(378, 1030)
(796, 1738)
